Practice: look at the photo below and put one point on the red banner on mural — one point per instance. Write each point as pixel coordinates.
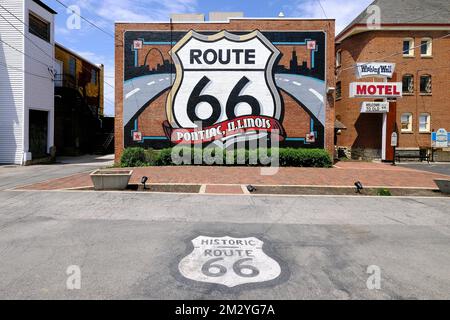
(228, 128)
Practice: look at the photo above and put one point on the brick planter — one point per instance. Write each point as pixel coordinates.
(111, 179)
(444, 185)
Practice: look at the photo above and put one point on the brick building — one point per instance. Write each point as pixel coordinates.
(79, 104)
(414, 35)
(248, 73)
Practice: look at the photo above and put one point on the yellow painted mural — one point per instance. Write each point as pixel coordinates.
(77, 72)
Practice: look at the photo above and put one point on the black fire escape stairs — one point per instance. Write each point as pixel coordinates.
(84, 121)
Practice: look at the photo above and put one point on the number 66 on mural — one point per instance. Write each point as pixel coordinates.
(231, 98)
(227, 88)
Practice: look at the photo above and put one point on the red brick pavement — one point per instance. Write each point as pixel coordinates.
(344, 174)
(223, 189)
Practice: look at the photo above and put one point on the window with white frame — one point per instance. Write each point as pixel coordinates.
(39, 27)
(425, 84)
(408, 47)
(406, 122)
(338, 58)
(408, 84)
(424, 122)
(426, 47)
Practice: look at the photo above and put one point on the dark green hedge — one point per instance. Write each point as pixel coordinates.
(288, 157)
(133, 157)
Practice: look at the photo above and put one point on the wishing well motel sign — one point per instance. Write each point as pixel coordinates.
(384, 90)
(375, 69)
(376, 90)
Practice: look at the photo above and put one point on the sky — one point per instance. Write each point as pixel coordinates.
(98, 47)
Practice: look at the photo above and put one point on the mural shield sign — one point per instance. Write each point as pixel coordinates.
(224, 89)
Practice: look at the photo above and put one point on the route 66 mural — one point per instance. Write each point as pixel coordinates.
(224, 87)
(229, 261)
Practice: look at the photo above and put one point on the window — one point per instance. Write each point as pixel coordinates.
(338, 90)
(59, 76)
(406, 122)
(338, 58)
(94, 76)
(72, 66)
(408, 47)
(424, 122)
(425, 84)
(39, 27)
(426, 47)
(408, 84)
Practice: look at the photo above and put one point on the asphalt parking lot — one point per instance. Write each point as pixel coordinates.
(124, 245)
(439, 168)
(129, 246)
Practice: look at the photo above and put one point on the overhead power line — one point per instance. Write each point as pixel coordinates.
(27, 55)
(20, 31)
(87, 20)
(408, 21)
(37, 46)
(393, 55)
(23, 71)
(323, 10)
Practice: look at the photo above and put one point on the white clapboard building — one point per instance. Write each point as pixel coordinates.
(26, 80)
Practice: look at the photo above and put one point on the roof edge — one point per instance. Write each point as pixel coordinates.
(225, 21)
(46, 7)
(96, 65)
(344, 34)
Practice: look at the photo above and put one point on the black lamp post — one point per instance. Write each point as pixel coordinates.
(358, 186)
(144, 181)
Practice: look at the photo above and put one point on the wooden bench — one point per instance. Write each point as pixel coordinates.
(420, 154)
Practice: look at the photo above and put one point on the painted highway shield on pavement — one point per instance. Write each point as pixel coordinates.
(229, 261)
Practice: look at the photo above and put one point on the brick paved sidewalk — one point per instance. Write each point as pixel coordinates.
(343, 174)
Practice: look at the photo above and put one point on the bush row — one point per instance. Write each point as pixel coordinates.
(288, 157)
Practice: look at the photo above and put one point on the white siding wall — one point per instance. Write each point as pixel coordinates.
(19, 91)
(39, 93)
(11, 84)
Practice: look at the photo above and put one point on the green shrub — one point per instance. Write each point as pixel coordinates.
(288, 157)
(164, 158)
(133, 157)
(384, 193)
(151, 156)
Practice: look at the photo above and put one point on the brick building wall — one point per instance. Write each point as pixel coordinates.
(364, 130)
(296, 120)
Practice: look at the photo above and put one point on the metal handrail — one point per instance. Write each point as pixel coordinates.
(65, 80)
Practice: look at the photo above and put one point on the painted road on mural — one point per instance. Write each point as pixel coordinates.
(309, 91)
(139, 91)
